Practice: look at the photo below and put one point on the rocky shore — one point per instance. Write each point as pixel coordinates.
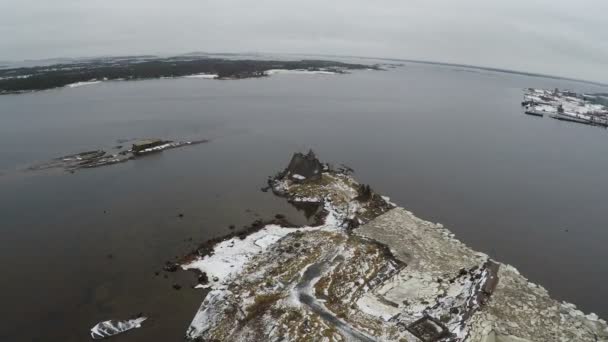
(368, 271)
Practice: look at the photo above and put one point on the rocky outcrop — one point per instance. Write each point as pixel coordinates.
(508, 306)
(304, 167)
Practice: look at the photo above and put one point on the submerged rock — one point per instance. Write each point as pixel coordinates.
(171, 266)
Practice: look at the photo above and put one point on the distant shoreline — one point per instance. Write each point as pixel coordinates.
(468, 66)
(77, 73)
(262, 55)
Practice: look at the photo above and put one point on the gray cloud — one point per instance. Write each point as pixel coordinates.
(566, 38)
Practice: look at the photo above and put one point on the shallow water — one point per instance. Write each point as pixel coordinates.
(450, 144)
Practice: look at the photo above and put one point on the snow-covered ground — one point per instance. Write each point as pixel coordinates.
(230, 256)
(578, 107)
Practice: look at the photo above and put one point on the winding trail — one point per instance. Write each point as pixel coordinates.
(306, 296)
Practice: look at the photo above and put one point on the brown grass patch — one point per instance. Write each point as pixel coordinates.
(261, 304)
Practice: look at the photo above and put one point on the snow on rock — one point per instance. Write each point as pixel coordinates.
(168, 145)
(446, 280)
(209, 313)
(114, 327)
(157, 148)
(299, 177)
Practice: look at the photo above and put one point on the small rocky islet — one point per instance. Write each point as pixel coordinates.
(115, 155)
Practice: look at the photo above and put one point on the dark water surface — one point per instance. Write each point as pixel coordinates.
(450, 144)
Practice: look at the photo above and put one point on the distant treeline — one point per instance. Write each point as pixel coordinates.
(47, 77)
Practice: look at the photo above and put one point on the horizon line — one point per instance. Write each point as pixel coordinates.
(394, 59)
(468, 66)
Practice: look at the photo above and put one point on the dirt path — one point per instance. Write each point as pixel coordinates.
(306, 296)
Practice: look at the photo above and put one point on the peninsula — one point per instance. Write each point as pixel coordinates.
(368, 271)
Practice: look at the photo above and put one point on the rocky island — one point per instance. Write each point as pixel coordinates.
(115, 155)
(367, 271)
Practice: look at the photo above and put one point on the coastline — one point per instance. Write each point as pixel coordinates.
(84, 73)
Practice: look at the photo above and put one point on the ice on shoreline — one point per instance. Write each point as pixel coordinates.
(298, 72)
(203, 76)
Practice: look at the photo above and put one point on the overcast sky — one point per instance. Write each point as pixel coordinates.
(558, 37)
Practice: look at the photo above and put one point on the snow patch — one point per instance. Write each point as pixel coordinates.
(203, 76)
(15, 77)
(298, 72)
(80, 84)
(370, 305)
(229, 257)
(157, 148)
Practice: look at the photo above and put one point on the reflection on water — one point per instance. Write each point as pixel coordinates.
(453, 147)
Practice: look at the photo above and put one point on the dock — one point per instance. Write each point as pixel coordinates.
(570, 118)
(535, 112)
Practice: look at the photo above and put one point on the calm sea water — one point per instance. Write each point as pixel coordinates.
(450, 144)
